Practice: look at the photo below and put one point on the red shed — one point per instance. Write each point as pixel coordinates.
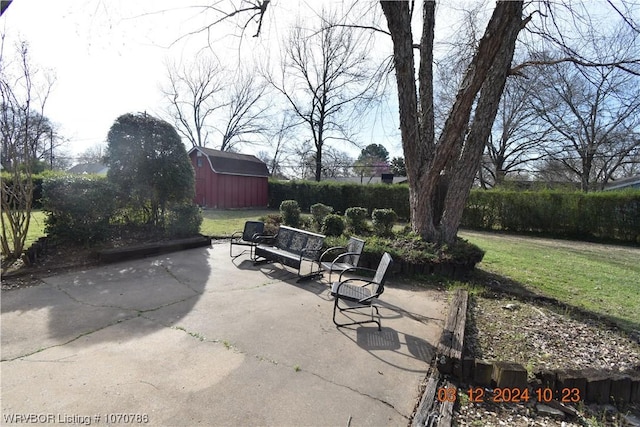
(229, 180)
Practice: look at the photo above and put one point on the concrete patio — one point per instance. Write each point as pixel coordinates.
(198, 338)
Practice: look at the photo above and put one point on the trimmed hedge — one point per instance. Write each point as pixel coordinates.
(79, 208)
(341, 196)
(38, 179)
(383, 221)
(609, 215)
(333, 225)
(356, 219)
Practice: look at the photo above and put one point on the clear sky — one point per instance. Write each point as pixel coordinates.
(108, 59)
(109, 56)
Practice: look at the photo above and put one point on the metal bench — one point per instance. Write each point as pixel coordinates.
(291, 247)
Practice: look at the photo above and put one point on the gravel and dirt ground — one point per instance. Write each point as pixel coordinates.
(544, 336)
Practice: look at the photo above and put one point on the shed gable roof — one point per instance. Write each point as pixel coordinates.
(224, 162)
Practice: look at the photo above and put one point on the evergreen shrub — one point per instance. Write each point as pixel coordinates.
(356, 220)
(603, 215)
(184, 220)
(333, 225)
(290, 211)
(79, 208)
(319, 211)
(383, 221)
(341, 195)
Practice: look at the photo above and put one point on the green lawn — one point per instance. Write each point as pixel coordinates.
(604, 279)
(222, 223)
(36, 227)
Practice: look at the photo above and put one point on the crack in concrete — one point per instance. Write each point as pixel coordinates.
(84, 334)
(171, 274)
(136, 313)
(274, 362)
(361, 393)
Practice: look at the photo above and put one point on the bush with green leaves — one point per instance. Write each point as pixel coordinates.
(290, 211)
(79, 208)
(602, 215)
(319, 211)
(149, 165)
(184, 220)
(333, 225)
(341, 195)
(357, 220)
(410, 250)
(271, 223)
(383, 221)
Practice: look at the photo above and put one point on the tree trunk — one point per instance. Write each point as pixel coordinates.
(476, 140)
(318, 163)
(439, 173)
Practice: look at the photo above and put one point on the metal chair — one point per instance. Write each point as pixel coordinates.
(360, 292)
(247, 237)
(347, 258)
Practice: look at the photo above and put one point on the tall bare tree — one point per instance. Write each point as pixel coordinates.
(279, 136)
(193, 92)
(206, 100)
(441, 168)
(93, 154)
(328, 81)
(23, 95)
(518, 138)
(246, 110)
(596, 114)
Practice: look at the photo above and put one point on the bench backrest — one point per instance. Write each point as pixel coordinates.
(295, 240)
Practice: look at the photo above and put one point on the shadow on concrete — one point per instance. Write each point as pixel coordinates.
(390, 346)
(69, 306)
(277, 272)
(370, 338)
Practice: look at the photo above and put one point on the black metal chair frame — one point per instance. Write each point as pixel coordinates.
(247, 237)
(361, 295)
(348, 258)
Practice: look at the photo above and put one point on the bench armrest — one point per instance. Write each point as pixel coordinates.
(328, 251)
(264, 238)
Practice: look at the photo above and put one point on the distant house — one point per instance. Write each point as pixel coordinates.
(229, 180)
(89, 169)
(386, 178)
(624, 184)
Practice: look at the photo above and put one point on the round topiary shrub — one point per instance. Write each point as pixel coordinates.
(333, 225)
(383, 221)
(319, 211)
(356, 219)
(290, 211)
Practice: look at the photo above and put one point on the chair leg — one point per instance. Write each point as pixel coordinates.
(373, 320)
